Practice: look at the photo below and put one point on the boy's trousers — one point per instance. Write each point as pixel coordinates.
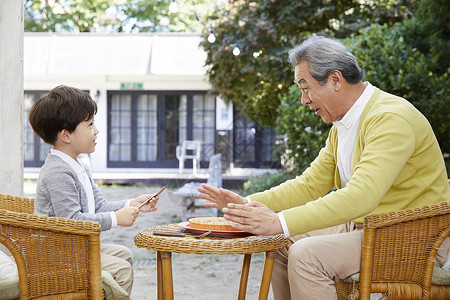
(118, 260)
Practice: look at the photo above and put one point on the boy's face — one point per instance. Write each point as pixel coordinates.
(83, 139)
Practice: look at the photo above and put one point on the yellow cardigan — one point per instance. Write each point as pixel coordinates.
(396, 164)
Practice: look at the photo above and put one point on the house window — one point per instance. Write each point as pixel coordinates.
(34, 149)
(120, 128)
(253, 145)
(204, 123)
(147, 128)
(244, 141)
(175, 123)
(144, 128)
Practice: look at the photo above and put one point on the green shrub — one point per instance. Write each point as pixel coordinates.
(390, 64)
(305, 132)
(395, 67)
(265, 182)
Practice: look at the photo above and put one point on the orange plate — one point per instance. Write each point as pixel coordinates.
(222, 233)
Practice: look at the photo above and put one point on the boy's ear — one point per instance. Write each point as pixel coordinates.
(64, 136)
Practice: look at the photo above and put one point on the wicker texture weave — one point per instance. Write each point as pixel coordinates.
(208, 245)
(17, 204)
(398, 254)
(57, 258)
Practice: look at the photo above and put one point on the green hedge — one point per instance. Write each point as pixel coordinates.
(390, 64)
(408, 59)
(306, 133)
(398, 68)
(265, 182)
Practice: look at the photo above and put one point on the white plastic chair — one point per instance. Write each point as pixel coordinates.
(187, 195)
(189, 150)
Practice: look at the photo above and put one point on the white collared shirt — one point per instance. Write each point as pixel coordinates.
(83, 177)
(347, 129)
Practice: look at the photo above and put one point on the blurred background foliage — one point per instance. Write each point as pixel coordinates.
(112, 16)
(264, 31)
(402, 45)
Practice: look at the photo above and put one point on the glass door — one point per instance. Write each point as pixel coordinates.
(145, 128)
(175, 126)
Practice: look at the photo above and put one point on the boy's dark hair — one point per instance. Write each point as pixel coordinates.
(62, 108)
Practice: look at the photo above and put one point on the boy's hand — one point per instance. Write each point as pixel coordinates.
(126, 216)
(149, 207)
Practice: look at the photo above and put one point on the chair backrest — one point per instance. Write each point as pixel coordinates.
(398, 254)
(406, 264)
(190, 149)
(55, 257)
(17, 204)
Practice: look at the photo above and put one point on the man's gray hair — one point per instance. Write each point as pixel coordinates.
(324, 55)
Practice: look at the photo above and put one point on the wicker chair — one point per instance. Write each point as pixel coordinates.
(57, 258)
(398, 254)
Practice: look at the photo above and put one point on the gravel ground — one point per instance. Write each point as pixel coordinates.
(195, 277)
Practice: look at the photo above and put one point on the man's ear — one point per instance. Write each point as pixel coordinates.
(337, 79)
(64, 136)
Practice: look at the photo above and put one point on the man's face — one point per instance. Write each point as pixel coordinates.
(318, 97)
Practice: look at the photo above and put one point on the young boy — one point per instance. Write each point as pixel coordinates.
(64, 118)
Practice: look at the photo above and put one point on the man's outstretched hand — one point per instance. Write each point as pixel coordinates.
(219, 197)
(252, 217)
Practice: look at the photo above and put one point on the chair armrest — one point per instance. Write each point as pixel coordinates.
(401, 246)
(53, 255)
(406, 215)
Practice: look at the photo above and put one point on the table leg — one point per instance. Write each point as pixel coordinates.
(244, 276)
(267, 275)
(164, 275)
(159, 277)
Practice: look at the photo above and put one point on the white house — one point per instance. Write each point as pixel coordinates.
(152, 93)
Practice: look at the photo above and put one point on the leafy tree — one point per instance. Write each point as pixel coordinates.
(430, 33)
(115, 15)
(407, 56)
(264, 31)
(389, 64)
(76, 15)
(394, 66)
(410, 59)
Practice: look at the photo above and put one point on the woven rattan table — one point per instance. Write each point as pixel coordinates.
(246, 245)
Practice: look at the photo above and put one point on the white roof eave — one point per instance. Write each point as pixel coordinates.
(113, 55)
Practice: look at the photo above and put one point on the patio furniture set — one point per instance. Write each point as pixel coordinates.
(58, 257)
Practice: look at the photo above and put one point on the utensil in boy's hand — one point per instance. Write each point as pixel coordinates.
(152, 197)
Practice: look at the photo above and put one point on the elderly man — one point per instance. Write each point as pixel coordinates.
(381, 155)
